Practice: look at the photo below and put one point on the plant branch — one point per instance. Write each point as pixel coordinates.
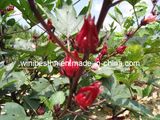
(48, 30)
(114, 53)
(107, 4)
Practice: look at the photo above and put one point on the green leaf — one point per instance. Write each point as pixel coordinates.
(113, 90)
(133, 2)
(57, 98)
(46, 49)
(134, 52)
(141, 8)
(86, 9)
(126, 78)
(59, 3)
(60, 81)
(117, 92)
(104, 71)
(128, 22)
(2, 71)
(19, 77)
(147, 91)
(133, 105)
(65, 20)
(40, 85)
(13, 111)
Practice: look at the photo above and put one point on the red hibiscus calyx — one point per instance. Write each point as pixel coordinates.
(87, 38)
(121, 49)
(70, 66)
(40, 110)
(87, 95)
(149, 19)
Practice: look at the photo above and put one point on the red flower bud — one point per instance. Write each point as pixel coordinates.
(10, 8)
(2, 12)
(87, 95)
(70, 66)
(87, 38)
(49, 24)
(40, 110)
(103, 51)
(149, 19)
(121, 49)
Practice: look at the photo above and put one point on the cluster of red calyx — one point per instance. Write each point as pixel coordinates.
(40, 110)
(104, 50)
(8, 9)
(87, 39)
(121, 49)
(149, 19)
(87, 95)
(102, 53)
(70, 66)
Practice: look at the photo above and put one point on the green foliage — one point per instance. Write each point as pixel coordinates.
(65, 20)
(24, 89)
(13, 111)
(133, 2)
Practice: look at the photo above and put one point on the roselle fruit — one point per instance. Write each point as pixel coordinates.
(121, 49)
(149, 19)
(87, 38)
(87, 95)
(70, 66)
(40, 110)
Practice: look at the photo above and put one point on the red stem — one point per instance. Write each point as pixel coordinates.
(40, 19)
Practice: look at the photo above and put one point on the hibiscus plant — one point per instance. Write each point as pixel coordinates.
(61, 64)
